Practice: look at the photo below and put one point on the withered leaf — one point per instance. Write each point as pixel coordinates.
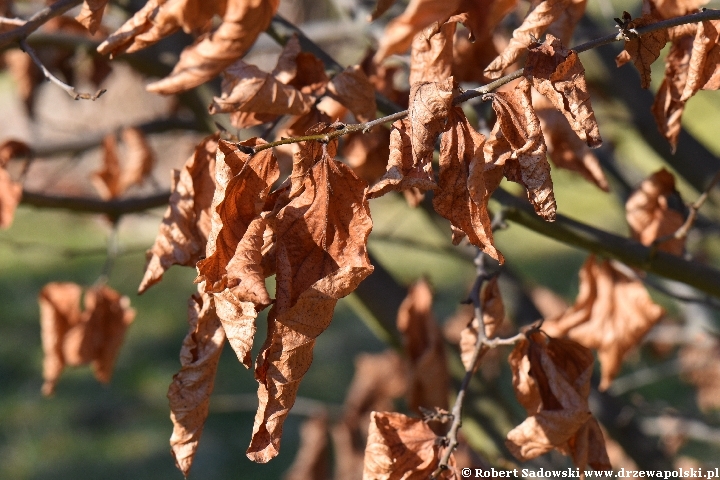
(107, 180)
(645, 49)
(190, 390)
(308, 154)
(431, 56)
(182, 235)
(321, 256)
(91, 14)
(12, 148)
(158, 19)
(461, 196)
(534, 26)
(611, 314)
(313, 457)
(402, 173)
(650, 214)
(71, 337)
(10, 195)
(353, 89)
(558, 74)
(516, 148)
(429, 383)
(676, 8)
(703, 70)
(117, 176)
(551, 378)
(367, 153)
(430, 105)
(400, 448)
(243, 21)
(248, 89)
(493, 315)
(564, 26)
(419, 14)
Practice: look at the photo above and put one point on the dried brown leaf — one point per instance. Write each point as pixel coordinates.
(431, 56)
(533, 27)
(645, 49)
(611, 314)
(461, 196)
(650, 214)
(564, 26)
(516, 148)
(430, 105)
(313, 457)
(353, 89)
(367, 153)
(182, 235)
(400, 448)
(321, 256)
(429, 383)
(558, 74)
(117, 176)
(676, 8)
(190, 390)
(243, 21)
(91, 14)
(703, 70)
(248, 89)
(12, 148)
(10, 195)
(107, 180)
(493, 315)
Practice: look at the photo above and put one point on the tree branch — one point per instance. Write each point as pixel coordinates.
(37, 20)
(113, 208)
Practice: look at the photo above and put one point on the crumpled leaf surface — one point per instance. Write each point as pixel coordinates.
(611, 314)
(461, 196)
(182, 235)
(558, 74)
(430, 105)
(402, 173)
(399, 33)
(649, 212)
(191, 387)
(367, 153)
(246, 88)
(313, 457)
(117, 176)
(551, 378)
(704, 69)
(71, 337)
(516, 148)
(91, 14)
(321, 256)
(643, 50)
(429, 383)
(243, 21)
(431, 57)
(493, 315)
(533, 27)
(353, 89)
(400, 448)
(158, 19)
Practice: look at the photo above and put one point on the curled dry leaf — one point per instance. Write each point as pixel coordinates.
(676, 8)
(649, 212)
(704, 67)
(243, 21)
(10, 195)
(461, 196)
(353, 89)
(313, 457)
(565, 148)
(158, 19)
(247, 89)
(402, 173)
(430, 105)
(419, 14)
(534, 26)
(493, 315)
(429, 384)
(367, 153)
(116, 177)
(71, 337)
(516, 148)
(551, 378)
(400, 448)
(564, 26)
(183, 233)
(558, 74)
(190, 390)
(321, 256)
(611, 314)
(431, 56)
(645, 49)
(91, 14)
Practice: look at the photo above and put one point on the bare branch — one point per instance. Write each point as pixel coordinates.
(93, 205)
(37, 20)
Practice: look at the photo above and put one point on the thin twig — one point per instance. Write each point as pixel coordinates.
(37, 20)
(485, 89)
(70, 90)
(92, 205)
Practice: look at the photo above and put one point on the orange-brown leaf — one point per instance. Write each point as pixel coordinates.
(91, 14)
(461, 196)
(183, 233)
(367, 153)
(493, 315)
(429, 382)
(243, 21)
(400, 448)
(431, 56)
(558, 74)
(353, 89)
(516, 148)
(312, 460)
(611, 314)
(248, 89)
(430, 105)
(645, 49)
(650, 215)
(676, 8)
(190, 390)
(117, 176)
(534, 26)
(10, 195)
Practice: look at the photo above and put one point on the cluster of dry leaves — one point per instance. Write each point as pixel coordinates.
(233, 217)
